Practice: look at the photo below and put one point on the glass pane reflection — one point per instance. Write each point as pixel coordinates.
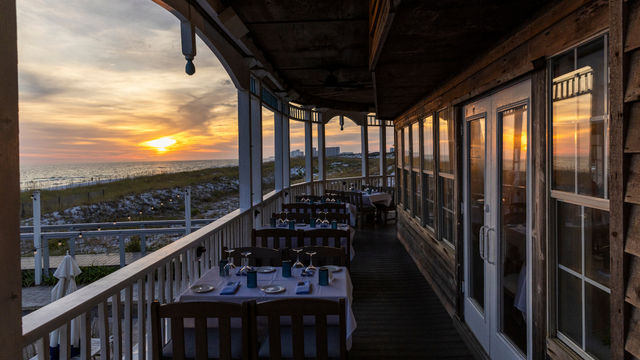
(476, 205)
(429, 192)
(569, 228)
(446, 140)
(448, 210)
(597, 322)
(570, 306)
(596, 246)
(513, 224)
(415, 137)
(428, 143)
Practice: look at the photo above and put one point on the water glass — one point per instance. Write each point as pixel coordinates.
(272, 222)
(252, 278)
(286, 268)
(334, 224)
(292, 225)
(323, 276)
(312, 223)
(221, 266)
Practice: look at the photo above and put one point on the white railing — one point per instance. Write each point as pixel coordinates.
(162, 275)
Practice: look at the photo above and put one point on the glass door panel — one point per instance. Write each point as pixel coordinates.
(513, 224)
(476, 180)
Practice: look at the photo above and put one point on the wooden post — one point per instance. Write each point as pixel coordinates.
(617, 168)
(383, 152)
(286, 174)
(37, 237)
(187, 211)
(11, 285)
(308, 150)
(277, 149)
(244, 149)
(256, 147)
(143, 242)
(322, 156)
(364, 146)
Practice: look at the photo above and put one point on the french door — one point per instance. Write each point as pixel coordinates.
(497, 212)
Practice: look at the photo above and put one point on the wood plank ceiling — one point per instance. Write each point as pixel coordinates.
(428, 42)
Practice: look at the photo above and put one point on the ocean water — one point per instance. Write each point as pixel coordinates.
(65, 175)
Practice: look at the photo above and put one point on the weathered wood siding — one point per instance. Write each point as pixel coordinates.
(434, 258)
(624, 52)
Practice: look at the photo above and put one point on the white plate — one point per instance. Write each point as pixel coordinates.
(300, 224)
(344, 226)
(266, 269)
(272, 289)
(202, 288)
(333, 268)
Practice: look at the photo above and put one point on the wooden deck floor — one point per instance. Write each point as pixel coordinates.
(398, 314)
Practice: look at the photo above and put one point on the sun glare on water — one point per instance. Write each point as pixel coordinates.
(161, 144)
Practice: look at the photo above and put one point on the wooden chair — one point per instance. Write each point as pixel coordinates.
(330, 193)
(260, 256)
(332, 208)
(324, 255)
(281, 237)
(297, 341)
(200, 342)
(362, 211)
(382, 209)
(325, 235)
(315, 198)
(298, 217)
(298, 208)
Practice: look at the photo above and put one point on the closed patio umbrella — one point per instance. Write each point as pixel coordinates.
(66, 273)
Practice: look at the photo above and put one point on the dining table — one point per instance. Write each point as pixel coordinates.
(339, 287)
(375, 198)
(344, 241)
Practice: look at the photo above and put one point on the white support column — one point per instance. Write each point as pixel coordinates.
(322, 158)
(244, 149)
(37, 237)
(286, 149)
(383, 152)
(308, 151)
(256, 147)
(277, 151)
(365, 152)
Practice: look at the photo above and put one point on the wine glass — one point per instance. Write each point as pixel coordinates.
(246, 267)
(325, 218)
(280, 220)
(311, 267)
(230, 268)
(298, 264)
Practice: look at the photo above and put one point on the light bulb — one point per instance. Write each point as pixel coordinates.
(35, 251)
(59, 242)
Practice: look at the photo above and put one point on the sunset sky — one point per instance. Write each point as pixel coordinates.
(104, 81)
(98, 80)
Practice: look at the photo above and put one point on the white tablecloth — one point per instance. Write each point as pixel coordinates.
(340, 287)
(307, 240)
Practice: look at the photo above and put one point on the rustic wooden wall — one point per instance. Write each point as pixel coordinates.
(624, 52)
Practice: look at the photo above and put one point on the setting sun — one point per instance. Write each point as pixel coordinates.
(161, 144)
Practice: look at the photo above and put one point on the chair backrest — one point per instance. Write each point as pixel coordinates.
(391, 191)
(260, 256)
(331, 207)
(330, 192)
(198, 339)
(298, 217)
(324, 255)
(355, 199)
(340, 218)
(281, 237)
(300, 208)
(325, 235)
(296, 309)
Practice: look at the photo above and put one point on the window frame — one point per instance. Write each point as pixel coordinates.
(426, 174)
(582, 201)
(441, 176)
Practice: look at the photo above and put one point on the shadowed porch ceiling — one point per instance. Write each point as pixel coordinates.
(428, 42)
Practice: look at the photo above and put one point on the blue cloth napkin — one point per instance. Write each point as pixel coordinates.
(303, 287)
(230, 288)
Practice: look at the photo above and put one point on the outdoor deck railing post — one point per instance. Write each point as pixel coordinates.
(143, 242)
(122, 253)
(72, 246)
(187, 211)
(37, 239)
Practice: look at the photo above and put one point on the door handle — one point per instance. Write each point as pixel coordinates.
(488, 243)
(481, 240)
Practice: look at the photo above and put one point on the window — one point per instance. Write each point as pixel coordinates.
(446, 155)
(391, 148)
(268, 151)
(343, 149)
(579, 192)
(428, 182)
(406, 172)
(297, 167)
(416, 161)
(373, 145)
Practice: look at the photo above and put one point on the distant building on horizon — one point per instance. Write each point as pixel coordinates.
(392, 150)
(332, 151)
(315, 152)
(297, 153)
